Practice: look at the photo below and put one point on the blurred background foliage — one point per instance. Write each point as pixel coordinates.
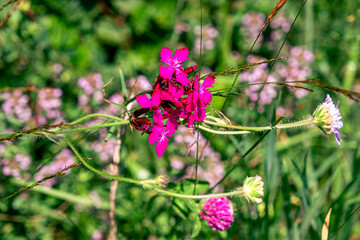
(53, 44)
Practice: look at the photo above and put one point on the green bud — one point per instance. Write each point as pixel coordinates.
(253, 189)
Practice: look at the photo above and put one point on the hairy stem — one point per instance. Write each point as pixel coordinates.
(303, 123)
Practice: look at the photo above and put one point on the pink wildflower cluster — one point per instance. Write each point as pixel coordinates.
(49, 101)
(205, 38)
(15, 166)
(264, 94)
(16, 104)
(218, 212)
(62, 160)
(104, 149)
(297, 68)
(252, 24)
(92, 85)
(175, 96)
(279, 25)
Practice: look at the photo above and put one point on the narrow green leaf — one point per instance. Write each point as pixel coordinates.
(197, 227)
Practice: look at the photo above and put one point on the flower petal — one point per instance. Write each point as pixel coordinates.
(166, 56)
(143, 101)
(166, 72)
(181, 54)
(181, 77)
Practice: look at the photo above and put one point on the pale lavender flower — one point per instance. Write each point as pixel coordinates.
(181, 27)
(97, 235)
(297, 68)
(57, 68)
(252, 24)
(328, 118)
(49, 100)
(62, 160)
(218, 212)
(16, 104)
(209, 33)
(113, 109)
(264, 94)
(92, 85)
(280, 25)
(16, 166)
(177, 164)
(104, 149)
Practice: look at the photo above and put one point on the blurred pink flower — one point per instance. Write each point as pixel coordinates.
(17, 166)
(209, 33)
(264, 94)
(92, 85)
(49, 100)
(62, 160)
(16, 104)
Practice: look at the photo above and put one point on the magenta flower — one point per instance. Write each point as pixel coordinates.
(180, 56)
(218, 212)
(171, 101)
(145, 102)
(160, 135)
(198, 99)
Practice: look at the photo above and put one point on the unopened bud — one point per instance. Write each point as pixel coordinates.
(253, 189)
(162, 181)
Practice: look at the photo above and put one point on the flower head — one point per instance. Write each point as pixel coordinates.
(328, 118)
(218, 212)
(198, 99)
(180, 56)
(253, 189)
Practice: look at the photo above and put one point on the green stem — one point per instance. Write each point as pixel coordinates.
(171, 194)
(223, 132)
(91, 127)
(96, 115)
(303, 123)
(94, 169)
(178, 195)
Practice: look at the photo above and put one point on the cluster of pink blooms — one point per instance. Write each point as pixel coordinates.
(104, 149)
(15, 166)
(62, 160)
(297, 68)
(175, 96)
(48, 103)
(49, 100)
(264, 94)
(205, 38)
(279, 25)
(16, 104)
(92, 85)
(252, 24)
(218, 212)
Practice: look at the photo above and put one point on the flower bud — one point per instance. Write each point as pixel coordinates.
(253, 189)
(162, 181)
